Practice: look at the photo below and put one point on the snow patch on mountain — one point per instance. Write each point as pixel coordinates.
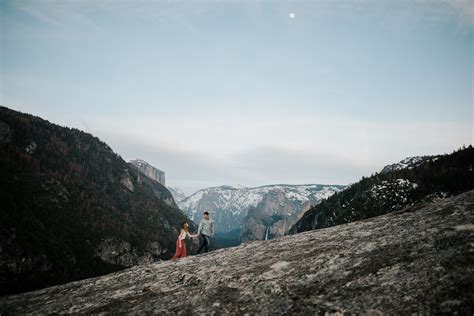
(408, 163)
(228, 205)
(177, 193)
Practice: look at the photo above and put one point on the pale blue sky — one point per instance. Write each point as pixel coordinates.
(227, 92)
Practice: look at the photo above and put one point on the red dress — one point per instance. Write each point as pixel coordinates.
(180, 251)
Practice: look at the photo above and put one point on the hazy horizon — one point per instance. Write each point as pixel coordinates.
(250, 93)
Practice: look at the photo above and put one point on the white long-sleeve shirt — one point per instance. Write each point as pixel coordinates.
(206, 227)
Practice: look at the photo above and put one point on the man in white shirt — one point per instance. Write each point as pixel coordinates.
(206, 230)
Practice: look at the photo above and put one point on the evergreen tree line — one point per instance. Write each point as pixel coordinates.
(438, 177)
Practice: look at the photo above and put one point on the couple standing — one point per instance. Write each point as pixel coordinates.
(206, 230)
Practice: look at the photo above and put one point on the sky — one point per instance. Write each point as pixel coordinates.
(247, 92)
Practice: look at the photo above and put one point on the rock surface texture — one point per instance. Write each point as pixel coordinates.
(416, 260)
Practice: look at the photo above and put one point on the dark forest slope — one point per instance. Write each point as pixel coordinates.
(385, 192)
(71, 208)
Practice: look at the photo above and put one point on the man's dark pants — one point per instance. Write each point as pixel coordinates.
(204, 243)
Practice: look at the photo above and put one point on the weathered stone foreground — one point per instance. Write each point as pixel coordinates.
(416, 260)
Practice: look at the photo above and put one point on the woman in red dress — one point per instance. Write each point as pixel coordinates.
(180, 243)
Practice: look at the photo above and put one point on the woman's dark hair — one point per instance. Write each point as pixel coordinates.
(182, 225)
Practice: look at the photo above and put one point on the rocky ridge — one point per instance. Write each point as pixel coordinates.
(415, 260)
(409, 163)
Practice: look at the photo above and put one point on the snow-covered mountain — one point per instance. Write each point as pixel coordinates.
(408, 163)
(229, 206)
(177, 193)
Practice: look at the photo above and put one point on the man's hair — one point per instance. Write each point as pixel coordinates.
(206, 213)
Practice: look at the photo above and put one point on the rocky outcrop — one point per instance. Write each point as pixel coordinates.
(121, 253)
(127, 181)
(416, 260)
(150, 171)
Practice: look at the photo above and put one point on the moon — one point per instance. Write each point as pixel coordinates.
(292, 15)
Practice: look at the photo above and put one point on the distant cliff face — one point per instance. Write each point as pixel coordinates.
(419, 179)
(157, 175)
(221, 202)
(414, 261)
(150, 171)
(177, 193)
(280, 208)
(71, 208)
(229, 206)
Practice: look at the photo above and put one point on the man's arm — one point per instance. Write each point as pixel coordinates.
(212, 228)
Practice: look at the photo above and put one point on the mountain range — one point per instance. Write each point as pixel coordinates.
(255, 213)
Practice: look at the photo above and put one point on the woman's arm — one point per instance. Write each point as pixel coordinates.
(192, 236)
(179, 238)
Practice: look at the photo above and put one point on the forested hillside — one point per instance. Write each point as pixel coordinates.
(71, 208)
(385, 192)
